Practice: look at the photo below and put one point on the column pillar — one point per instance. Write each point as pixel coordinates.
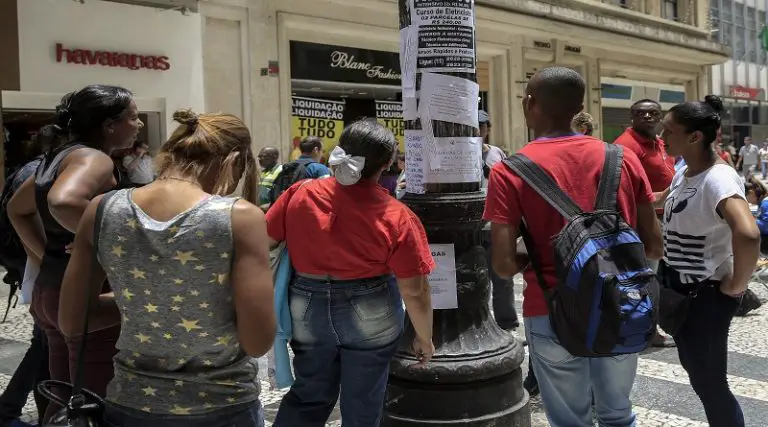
(517, 82)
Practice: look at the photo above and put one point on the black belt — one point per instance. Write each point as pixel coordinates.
(331, 279)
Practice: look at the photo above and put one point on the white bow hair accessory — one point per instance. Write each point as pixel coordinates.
(347, 169)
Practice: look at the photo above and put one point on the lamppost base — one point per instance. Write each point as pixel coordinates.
(486, 403)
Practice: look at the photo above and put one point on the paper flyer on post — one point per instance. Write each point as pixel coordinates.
(442, 281)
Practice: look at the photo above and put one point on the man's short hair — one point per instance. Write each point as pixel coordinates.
(308, 144)
(644, 101)
(559, 91)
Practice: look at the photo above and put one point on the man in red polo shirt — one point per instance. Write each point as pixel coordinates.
(567, 383)
(641, 139)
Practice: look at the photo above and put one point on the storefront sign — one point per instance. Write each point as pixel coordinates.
(316, 117)
(312, 61)
(745, 92)
(446, 35)
(390, 115)
(105, 58)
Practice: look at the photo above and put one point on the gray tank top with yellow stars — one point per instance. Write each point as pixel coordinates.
(178, 351)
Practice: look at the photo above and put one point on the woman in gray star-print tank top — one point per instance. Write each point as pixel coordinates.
(192, 283)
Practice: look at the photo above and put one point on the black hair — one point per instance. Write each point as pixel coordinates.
(644, 101)
(559, 90)
(81, 114)
(367, 138)
(700, 116)
(308, 144)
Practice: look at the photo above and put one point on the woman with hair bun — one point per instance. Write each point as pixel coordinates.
(192, 281)
(89, 123)
(367, 249)
(711, 246)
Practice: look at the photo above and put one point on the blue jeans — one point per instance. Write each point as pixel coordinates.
(568, 383)
(240, 416)
(702, 345)
(344, 336)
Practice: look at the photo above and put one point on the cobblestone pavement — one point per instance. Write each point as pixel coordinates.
(662, 395)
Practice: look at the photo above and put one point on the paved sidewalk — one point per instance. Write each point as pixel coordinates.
(662, 395)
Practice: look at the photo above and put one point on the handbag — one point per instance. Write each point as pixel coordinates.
(673, 305)
(84, 408)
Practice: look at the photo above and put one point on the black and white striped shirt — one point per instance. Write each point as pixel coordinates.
(697, 240)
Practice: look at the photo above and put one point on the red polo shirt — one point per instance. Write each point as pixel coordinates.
(349, 232)
(575, 163)
(659, 166)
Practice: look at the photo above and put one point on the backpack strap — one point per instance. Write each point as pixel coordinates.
(543, 184)
(77, 384)
(608, 189)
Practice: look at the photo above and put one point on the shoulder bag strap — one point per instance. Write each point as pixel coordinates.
(608, 189)
(543, 184)
(533, 257)
(77, 386)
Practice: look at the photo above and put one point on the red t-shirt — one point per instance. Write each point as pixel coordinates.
(725, 156)
(659, 166)
(349, 232)
(575, 163)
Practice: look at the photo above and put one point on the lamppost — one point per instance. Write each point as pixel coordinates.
(475, 377)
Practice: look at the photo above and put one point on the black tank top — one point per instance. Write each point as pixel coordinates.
(55, 258)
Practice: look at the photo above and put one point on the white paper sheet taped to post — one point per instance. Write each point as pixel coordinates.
(460, 159)
(442, 280)
(414, 161)
(446, 36)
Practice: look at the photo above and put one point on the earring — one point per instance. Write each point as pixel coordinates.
(111, 130)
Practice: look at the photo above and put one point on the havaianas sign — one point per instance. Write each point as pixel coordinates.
(105, 58)
(321, 62)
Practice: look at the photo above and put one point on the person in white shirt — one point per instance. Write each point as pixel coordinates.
(711, 245)
(749, 157)
(764, 159)
(138, 163)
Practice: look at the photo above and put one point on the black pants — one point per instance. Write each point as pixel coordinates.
(702, 345)
(32, 369)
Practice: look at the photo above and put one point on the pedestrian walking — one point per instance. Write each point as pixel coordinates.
(33, 367)
(355, 250)
(749, 157)
(192, 283)
(90, 124)
(711, 245)
(568, 383)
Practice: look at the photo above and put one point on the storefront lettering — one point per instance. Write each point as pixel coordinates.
(745, 92)
(347, 61)
(103, 58)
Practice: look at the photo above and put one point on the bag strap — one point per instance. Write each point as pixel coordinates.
(77, 386)
(533, 257)
(608, 189)
(543, 184)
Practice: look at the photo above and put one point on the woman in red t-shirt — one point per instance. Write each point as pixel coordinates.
(355, 250)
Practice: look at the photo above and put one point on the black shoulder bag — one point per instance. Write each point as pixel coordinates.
(85, 408)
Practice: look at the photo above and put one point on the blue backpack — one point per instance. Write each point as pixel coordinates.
(605, 301)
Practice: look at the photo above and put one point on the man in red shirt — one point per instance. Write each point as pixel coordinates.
(567, 383)
(641, 139)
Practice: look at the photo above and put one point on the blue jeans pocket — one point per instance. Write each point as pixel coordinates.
(298, 302)
(374, 303)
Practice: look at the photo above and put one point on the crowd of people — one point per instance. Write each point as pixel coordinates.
(173, 275)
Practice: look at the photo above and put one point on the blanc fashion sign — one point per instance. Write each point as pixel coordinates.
(105, 58)
(313, 61)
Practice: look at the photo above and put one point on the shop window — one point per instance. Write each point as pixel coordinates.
(740, 114)
(616, 91)
(671, 96)
(760, 114)
(669, 9)
(749, 18)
